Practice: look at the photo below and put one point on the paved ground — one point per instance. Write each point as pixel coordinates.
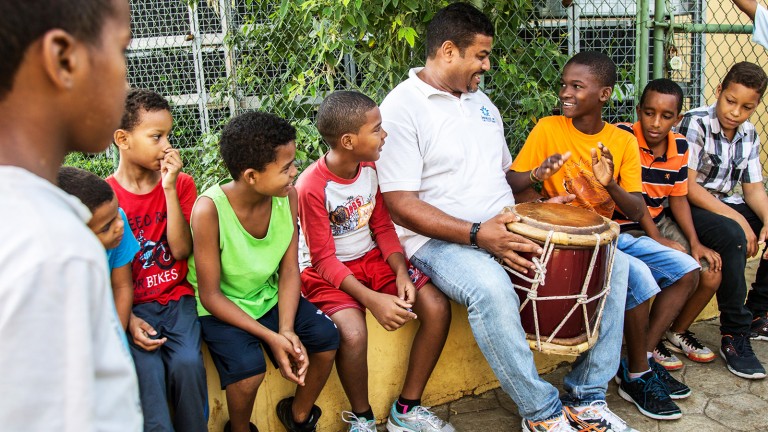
(720, 401)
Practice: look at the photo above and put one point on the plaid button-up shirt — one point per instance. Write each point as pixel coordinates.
(721, 164)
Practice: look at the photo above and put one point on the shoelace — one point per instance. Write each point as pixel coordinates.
(742, 345)
(607, 417)
(690, 339)
(357, 424)
(558, 424)
(663, 350)
(656, 387)
(423, 414)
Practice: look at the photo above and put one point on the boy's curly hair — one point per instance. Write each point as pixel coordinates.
(601, 66)
(747, 74)
(139, 100)
(250, 140)
(664, 86)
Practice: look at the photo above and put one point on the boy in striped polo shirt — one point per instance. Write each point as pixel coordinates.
(664, 160)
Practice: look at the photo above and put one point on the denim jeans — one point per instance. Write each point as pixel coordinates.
(174, 372)
(473, 278)
(725, 236)
(652, 267)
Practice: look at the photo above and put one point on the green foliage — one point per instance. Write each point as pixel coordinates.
(292, 54)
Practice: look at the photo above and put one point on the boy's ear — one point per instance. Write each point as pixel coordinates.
(718, 90)
(61, 56)
(347, 141)
(120, 138)
(605, 94)
(250, 176)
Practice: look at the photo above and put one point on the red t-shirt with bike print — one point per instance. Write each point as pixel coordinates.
(157, 276)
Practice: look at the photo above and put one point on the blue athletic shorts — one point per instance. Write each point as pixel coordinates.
(238, 354)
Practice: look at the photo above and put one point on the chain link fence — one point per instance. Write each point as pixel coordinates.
(213, 59)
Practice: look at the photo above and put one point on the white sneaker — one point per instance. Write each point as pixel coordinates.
(358, 424)
(557, 424)
(418, 419)
(689, 345)
(596, 416)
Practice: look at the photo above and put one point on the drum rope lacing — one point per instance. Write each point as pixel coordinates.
(581, 299)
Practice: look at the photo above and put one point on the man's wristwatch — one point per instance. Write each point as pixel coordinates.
(473, 234)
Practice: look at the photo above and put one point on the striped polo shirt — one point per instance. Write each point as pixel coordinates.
(662, 176)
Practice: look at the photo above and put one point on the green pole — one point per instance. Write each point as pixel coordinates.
(641, 74)
(659, 58)
(707, 28)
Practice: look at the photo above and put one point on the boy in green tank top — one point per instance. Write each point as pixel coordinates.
(246, 276)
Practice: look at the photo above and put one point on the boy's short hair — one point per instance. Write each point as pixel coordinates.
(139, 100)
(664, 86)
(91, 189)
(250, 140)
(601, 66)
(23, 22)
(747, 74)
(458, 23)
(342, 112)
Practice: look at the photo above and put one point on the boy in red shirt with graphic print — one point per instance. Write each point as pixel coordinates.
(351, 259)
(163, 329)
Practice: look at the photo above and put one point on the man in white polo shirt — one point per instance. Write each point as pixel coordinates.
(443, 175)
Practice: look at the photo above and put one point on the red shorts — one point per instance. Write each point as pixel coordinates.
(371, 270)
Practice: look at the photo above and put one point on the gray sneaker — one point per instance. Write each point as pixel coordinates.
(358, 424)
(557, 424)
(596, 416)
(418, 419)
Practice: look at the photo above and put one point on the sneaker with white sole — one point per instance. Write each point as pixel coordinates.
(596, 417)
(665, 358)
(556, 424)
(687, 343)
(739, 357)
(759, 328)
(418, 419)
(358, 424)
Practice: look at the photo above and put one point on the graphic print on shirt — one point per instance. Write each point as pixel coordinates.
(579, 180)
(151, 253)
(351, 215)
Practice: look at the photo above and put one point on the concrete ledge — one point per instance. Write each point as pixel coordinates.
(461, 370)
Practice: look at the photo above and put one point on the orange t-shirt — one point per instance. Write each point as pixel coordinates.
(556, 134)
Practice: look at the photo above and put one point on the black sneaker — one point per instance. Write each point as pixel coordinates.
(759, 330)
(251, 427)
(738, 355)
(648, 394)
(285, 414)
(675, 388)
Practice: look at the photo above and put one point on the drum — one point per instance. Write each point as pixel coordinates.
(561, 303)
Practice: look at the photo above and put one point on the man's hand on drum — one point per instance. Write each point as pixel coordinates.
(699, 251)
(602, 166)
(390, 311)
(495, 238)
(550, 166)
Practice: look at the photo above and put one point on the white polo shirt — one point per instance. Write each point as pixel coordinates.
(450, 150)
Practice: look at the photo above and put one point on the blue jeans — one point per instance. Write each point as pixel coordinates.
(473, 278)
(652, 267)
(173, 373)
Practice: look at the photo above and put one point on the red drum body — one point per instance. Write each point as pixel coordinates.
(561, 303)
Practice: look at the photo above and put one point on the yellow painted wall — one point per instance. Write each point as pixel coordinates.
(461, 370)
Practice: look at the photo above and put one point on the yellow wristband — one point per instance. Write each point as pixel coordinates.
(533, 177)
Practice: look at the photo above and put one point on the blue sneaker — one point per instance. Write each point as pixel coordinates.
(358, 424)
(418, 419)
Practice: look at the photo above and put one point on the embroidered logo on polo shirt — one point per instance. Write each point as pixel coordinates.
(485, 115)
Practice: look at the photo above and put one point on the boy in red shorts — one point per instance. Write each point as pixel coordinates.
(351, 260)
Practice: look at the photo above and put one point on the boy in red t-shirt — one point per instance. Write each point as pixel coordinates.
(163, 329)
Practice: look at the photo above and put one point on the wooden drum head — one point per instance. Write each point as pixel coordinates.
(572, 226)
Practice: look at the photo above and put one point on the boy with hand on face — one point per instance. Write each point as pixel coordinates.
(163, 329)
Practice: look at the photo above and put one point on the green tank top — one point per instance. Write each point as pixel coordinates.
(249, 265)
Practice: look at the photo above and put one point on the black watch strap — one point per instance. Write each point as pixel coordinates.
(473, 234)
